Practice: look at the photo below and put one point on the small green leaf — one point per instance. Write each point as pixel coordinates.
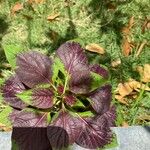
(58, 66)
(26, 96)
(78, 104)
(97, 81)
(4, 115)
(43, 86)
(86, 114)
(48, 117)
(11, 52)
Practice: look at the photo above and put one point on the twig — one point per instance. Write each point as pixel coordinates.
(141, 48)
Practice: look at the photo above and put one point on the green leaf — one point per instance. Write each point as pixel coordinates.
(86, 114)
(11, 52)
(43, 86)
(58, 66)
(4, 115)
(97, 81)
(26, 96)
(48, 117)
(78, 104)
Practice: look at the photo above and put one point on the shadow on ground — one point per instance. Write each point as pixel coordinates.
(3, 30)
(70, 34)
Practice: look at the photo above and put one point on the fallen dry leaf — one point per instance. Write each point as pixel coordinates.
(127, 29)
(144, 117)
(4, 128)
(131, 22)
(124, 89)
(95, 48)
(126, 43)
(125, 124)
(126, 47)
(144, 73)
(53, 17)
(116, 63)
(128, 88)
(137, 85)
(17, 7)
(121, 99)
(146, 25)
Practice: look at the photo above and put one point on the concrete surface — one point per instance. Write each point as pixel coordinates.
(131, 138)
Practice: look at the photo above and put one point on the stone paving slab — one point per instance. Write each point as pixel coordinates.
(131, 138)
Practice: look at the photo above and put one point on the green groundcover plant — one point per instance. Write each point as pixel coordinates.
(56, 101)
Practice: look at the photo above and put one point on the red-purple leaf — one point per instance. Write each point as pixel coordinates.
(76, 64)
(12, 87)
(110, 115)
(30, 139)
(94, 134)
(60, 89)
(34, 68)
(58, 137)
(70, 124)
(101, 98)
(99, 70)
(73, 57)
(70, 100)
(42, 98)
(80, 82)
(29, 118)
(13, 114)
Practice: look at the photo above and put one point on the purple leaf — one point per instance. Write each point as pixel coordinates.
(110, 115)
(12, 87)
(80, 82)
(58, 137)
(67, 122)
(13, 114)
(99, 70)
(76, 64)
(73, 57)
(34, 68)
(101, 98)
(30, 138)
(60, 89)
(94, 134)
(42, 98)
(29, 118)
(70, 100)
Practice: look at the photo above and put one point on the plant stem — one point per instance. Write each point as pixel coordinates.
(135, 106)
(66, 81)
(53, 86)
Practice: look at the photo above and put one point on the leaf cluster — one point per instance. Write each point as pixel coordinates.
(64, 94)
